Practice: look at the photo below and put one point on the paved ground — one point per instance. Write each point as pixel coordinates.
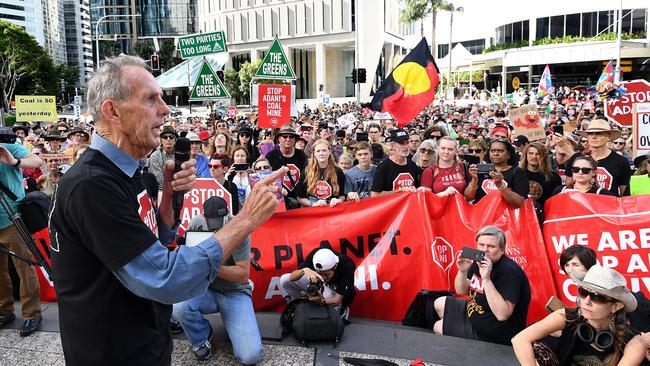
(363, 338)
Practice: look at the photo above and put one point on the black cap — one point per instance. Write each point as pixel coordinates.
(398, 135)
(640, 160)
(520, 140)
(214, 210)
(246, 130)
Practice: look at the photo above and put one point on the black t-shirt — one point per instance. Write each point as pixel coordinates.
(296, 164)
(515, 178)
(613, 171)
(512, 284)
(343, 280)
(539, 187)
(324, 188)
(101, 219)
(391, 176)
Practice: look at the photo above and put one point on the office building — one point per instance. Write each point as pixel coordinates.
(78, 38)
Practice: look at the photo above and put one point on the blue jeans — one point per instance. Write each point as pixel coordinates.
(238, 316)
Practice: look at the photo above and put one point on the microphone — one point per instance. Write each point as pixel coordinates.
(181, 155)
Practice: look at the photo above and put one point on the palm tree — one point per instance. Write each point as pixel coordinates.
(415, 10)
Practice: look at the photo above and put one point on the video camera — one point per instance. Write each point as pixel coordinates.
(7, 136)
(316, 288)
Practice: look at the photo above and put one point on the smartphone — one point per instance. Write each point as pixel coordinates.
(558, 129)
(241, 167)
(485, 168)
(554, 304)
(472, 254)
(472, 159)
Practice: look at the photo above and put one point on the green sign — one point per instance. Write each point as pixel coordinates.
(208, 85)
(275, 64)
(202, 44)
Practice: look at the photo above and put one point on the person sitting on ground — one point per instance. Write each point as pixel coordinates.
(229, 294)
(594, 333)
(508, 179)
(447, 175)
(359, 179)
(499, 294)
(583, 173)
(323, 182)
(334, 270)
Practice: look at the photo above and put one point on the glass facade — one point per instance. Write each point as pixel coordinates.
(120, 26)
(166, 17)
(590, 24)
(475, 47)
(513, 32)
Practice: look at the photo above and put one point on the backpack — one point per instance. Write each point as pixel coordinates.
(313, 322)
(421, 312)
(34, 210)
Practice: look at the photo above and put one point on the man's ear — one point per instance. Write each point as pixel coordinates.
(110, 111)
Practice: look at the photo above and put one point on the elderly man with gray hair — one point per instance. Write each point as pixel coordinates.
(498, 294)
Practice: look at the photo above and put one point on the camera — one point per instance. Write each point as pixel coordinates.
(7, 136)
(315, 288)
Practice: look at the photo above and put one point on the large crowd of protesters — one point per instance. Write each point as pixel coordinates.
(469, 149)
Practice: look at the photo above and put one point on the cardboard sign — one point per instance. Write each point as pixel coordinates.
(275, 64)
(275, 105)
(588, 104)
(32, 108)
(346, 119)
(47, 157)
(641, 129)
(526, 122)
(232, 111)
(208, 86)
(380, 116)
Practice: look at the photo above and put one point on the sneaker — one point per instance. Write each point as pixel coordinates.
(30, 326)
(6, 319)
(175, 326)
(203, 351)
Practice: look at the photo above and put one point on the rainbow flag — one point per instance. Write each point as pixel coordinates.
(607, 75)
(605, 85)
(545, 83)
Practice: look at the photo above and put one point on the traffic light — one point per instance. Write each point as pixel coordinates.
(155, 62)
(354, 76)
(361, 76)
(220, 75)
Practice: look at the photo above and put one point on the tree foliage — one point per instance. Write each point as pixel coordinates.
(143, 48)
(25, 67)
(418, 10)
(231, 82)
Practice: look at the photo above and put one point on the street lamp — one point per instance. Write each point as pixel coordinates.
(97, 30)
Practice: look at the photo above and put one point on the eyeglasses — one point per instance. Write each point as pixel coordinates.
(596, 298)
(168, 137)
(214, 166)
(475, 151)
(577, 170)
(426, 151)
(288, 137)
(262, 167)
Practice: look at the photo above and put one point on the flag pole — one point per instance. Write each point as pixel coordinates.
(617, 73)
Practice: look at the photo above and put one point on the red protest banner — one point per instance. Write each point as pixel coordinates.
(618, 229)
(401, 243)
(274, 105)
(204, 188)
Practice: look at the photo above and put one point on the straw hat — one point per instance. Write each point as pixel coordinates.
(608, 282)
(600, 125)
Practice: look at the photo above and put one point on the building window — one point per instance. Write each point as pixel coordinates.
(627, 21)
(443, 50)
(508, 33)
(605, 18)
(543, 26)
(639, 17)
(589, 23)
(557, 26)
(573, 25)
(12, 17)
(516, 31)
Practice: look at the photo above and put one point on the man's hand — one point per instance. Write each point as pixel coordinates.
(485, 268)
(473, 172)
(463, 264)
(6, 157)
(353, 196)
(311, 275)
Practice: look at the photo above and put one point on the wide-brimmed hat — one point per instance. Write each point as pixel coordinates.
(79, 130)
(167, 129)
(608, 282)
(600, 125)
(287, 130)
(193, 137)
(17, 127)
(55, 135)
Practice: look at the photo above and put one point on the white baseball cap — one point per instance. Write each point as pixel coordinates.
(325, 259)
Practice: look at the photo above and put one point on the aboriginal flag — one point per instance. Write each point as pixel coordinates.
(410, 87)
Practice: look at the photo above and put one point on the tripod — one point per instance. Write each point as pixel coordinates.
(24, 234)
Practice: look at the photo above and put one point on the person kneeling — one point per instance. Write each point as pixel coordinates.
(333, 273)
(229, 294)
(499, 294)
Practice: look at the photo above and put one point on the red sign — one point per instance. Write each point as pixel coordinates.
(147, 213)
(403, 180)
(401, 243)
(620, 110)
(232, 112)
(274, 105)
(204, 188)
(618, 229)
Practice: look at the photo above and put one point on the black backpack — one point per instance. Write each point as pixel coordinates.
(421, 312)
(313, 322)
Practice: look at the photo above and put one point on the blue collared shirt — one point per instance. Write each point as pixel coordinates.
(158, 274)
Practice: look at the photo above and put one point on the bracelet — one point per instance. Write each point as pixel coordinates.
(18, 162)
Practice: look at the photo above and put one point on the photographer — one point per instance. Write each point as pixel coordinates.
(14, 157)
(498, 294)
(324, 277)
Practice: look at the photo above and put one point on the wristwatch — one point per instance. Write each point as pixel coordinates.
(17, 163)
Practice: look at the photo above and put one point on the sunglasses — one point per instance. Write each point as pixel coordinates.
(244, 135)
(288, 137)
(576, 170)
(583, 141)
(437, 137)
(168, 137)
(262, 167)
(426, 151)
(475, 151)
(619, 143)
(214, 166)
(596, 298)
